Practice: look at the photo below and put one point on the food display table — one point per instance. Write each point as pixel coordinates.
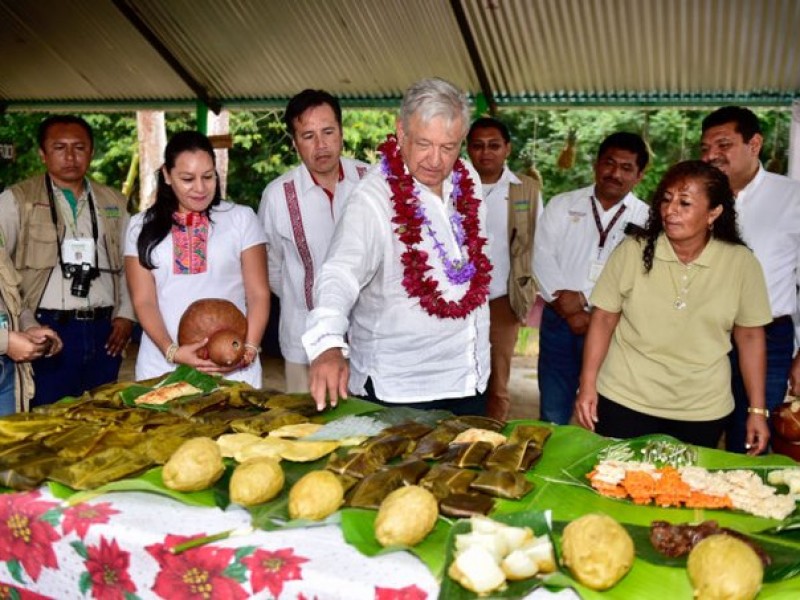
(118, 544)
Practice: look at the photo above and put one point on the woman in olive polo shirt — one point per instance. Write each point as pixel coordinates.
(665, 306)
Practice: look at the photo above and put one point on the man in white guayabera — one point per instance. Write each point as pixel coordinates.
(299, 211)
(404, 290)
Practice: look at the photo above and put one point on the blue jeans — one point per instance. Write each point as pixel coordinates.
(780, 347)
(560, 360)
(83, 364)
(7, 404)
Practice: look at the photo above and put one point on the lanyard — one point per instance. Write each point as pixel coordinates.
(53, 216)
(604, 232)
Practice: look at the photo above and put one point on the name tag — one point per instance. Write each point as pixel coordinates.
(76, 251)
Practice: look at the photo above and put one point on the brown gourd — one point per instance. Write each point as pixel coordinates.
(222, 323)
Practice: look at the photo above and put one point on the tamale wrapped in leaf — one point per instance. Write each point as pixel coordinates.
(435, 443)
(109, 394)
(158, 448)
(386, 447)
(412, 430)
(265, 422)
(23, 426)
(133, 418)
(101, 468)
(466, 455)
(507, 457)
(503, 484)
(411, 471)
(119, 437)
(462, 506)
(235, 389)
(155, 419)
(191, 406)
(29, 474)
(17, 453)
(257, 398)
(370, 491)
(226, 415)
(513, 457)
(77, 441)
(300, 403)
(530, 433)
(90, 413)
(465, 422)
(357, 463)
(443, 480)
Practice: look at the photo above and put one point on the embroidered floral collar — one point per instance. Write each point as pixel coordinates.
(410, 218)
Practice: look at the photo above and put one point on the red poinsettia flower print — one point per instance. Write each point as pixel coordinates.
(410, 592)
(108, 565)
(80, 517)
(24, 535)
(271, 569)
(8, 591)
(193, 574)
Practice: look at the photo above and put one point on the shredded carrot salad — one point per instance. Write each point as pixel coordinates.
(645, 484)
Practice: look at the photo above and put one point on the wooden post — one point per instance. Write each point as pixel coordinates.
(218, 133)
(152, 140)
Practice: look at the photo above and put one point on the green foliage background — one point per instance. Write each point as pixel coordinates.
(262, 150)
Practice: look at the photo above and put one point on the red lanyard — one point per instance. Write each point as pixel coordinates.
(604, 232)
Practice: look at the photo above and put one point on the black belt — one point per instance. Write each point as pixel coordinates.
(77, 314)
(783, 320)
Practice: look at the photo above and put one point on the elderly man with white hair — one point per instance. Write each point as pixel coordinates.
(404, 289)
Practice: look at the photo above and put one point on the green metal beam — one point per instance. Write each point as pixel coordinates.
(533, 101)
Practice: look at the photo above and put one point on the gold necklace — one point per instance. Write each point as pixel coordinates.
(682, 290)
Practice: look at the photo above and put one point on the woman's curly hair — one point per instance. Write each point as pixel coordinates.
(718, 190)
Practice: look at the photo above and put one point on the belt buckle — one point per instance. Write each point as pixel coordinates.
(84, 314)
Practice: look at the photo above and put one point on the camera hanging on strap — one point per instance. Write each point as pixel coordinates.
(79, 271)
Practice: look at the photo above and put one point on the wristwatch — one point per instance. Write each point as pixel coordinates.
(758, 411)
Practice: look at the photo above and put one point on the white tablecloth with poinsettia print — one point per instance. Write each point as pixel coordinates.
(117, 546)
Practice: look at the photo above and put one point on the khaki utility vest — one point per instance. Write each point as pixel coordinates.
(9, 290)
(523, 202)
(36, 252)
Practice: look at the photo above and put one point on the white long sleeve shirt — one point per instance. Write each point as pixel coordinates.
(496, 197)
(768, 214)
(567, 255)
(287, 271)
(410, 355)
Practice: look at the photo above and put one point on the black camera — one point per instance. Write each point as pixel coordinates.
(81, 276)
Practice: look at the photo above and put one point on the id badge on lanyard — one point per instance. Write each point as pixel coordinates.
(596, 266)
(77, 251)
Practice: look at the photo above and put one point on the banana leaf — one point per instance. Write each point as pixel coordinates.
(101, 468)
(570, 499)
(185, 373)
(274, 514)
(150, 481)
(785, 556)
(452, 590)
(358, 527)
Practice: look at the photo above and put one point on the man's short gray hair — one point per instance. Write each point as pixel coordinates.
(435, 97)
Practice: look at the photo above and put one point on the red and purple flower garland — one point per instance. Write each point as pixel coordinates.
(409, 220)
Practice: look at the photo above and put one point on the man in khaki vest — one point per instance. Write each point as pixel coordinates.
(64, 235)
(513, 203)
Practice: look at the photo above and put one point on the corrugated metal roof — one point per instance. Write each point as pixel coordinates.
(540, 52)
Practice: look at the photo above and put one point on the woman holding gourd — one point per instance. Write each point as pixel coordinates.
(192, 244)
